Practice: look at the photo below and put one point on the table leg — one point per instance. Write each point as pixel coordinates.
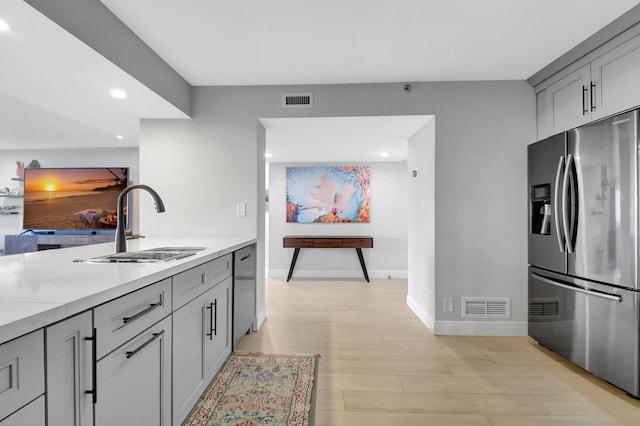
(293, 263)
(364, 267)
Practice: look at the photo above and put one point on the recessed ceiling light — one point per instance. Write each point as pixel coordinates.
(384, 154)
(268, 155)
(119, 136)
(4, 27)
(118, 93)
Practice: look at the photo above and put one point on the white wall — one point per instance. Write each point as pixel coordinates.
(90, 157)
(421, 292)
(388, 227)
(207, 164)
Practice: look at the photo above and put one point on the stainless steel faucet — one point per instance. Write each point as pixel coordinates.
(121, 242)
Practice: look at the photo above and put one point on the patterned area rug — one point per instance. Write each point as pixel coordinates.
(260, 389)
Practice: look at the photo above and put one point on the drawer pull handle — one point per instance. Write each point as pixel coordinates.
(245, 258)
(94, 370)
(213, 319)
(151, 307)
(131, 354)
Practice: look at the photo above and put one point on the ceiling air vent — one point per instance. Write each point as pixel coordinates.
(482, 307)
(297, 100)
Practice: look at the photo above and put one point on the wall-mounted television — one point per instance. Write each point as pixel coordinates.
(72, 198)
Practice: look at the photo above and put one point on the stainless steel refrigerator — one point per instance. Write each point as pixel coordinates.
(583, 248)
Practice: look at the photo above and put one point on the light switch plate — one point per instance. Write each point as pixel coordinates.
(241, 209)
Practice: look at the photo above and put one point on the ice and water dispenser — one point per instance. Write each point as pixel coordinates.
(541, 209)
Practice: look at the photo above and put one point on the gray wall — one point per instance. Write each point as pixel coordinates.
(388, 227)
(205, 165)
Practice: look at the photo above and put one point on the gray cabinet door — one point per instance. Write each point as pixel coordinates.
(615, 78)
(201, 344)
(220, 347)
(69, 372)
(21, 372)
(567, 101)
(190, 364)
(31, 415)
(134, 381)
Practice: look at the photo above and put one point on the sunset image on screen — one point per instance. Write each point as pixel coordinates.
(72, 198)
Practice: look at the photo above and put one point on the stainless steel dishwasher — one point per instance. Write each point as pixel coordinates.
(244, 292)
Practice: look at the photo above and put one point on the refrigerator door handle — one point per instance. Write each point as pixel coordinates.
(573, 225)
(556, 202)
(613, 297)
(565, 209)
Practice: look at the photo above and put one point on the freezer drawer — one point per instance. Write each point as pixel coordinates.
(593, 325)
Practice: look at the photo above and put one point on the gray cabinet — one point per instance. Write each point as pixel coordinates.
(605, 86)
(69, 347)
(244, 292)
(31, 415)
(134, 381)
(615, 79)
(131, 360)
(201, 343)
(21, 372)
(564, 104)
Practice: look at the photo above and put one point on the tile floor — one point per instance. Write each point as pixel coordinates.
(380, 365)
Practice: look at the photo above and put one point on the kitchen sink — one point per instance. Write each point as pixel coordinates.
(161, 254)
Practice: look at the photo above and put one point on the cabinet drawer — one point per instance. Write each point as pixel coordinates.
(21, 372)
(125, 317)
(298, 243)
(190, 284)
(221, 268)
(358, 243)
(327, 243)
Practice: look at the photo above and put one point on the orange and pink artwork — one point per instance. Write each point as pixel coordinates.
(328, 194)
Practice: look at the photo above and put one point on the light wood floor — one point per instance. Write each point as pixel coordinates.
(380, 365)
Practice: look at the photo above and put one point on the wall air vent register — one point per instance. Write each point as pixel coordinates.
(297, 100)
(482, 307)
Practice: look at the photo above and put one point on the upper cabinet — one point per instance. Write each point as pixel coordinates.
(615, 77)
(605, 86)
(564, 104)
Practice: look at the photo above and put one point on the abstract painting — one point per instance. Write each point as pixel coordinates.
(331, 194)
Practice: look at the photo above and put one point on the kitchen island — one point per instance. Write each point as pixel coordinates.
(113, 327)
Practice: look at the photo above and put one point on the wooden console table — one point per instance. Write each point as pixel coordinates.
(316, 241)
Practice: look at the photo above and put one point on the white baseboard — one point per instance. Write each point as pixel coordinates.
(480, 328)
(420, 312)
(321, 274)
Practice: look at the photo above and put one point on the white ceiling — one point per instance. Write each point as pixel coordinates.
(262, 42)
(54, 89)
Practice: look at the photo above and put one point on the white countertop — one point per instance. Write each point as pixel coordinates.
(38, 289)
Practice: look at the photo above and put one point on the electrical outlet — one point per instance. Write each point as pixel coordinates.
(448, 304)
(241, 209)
